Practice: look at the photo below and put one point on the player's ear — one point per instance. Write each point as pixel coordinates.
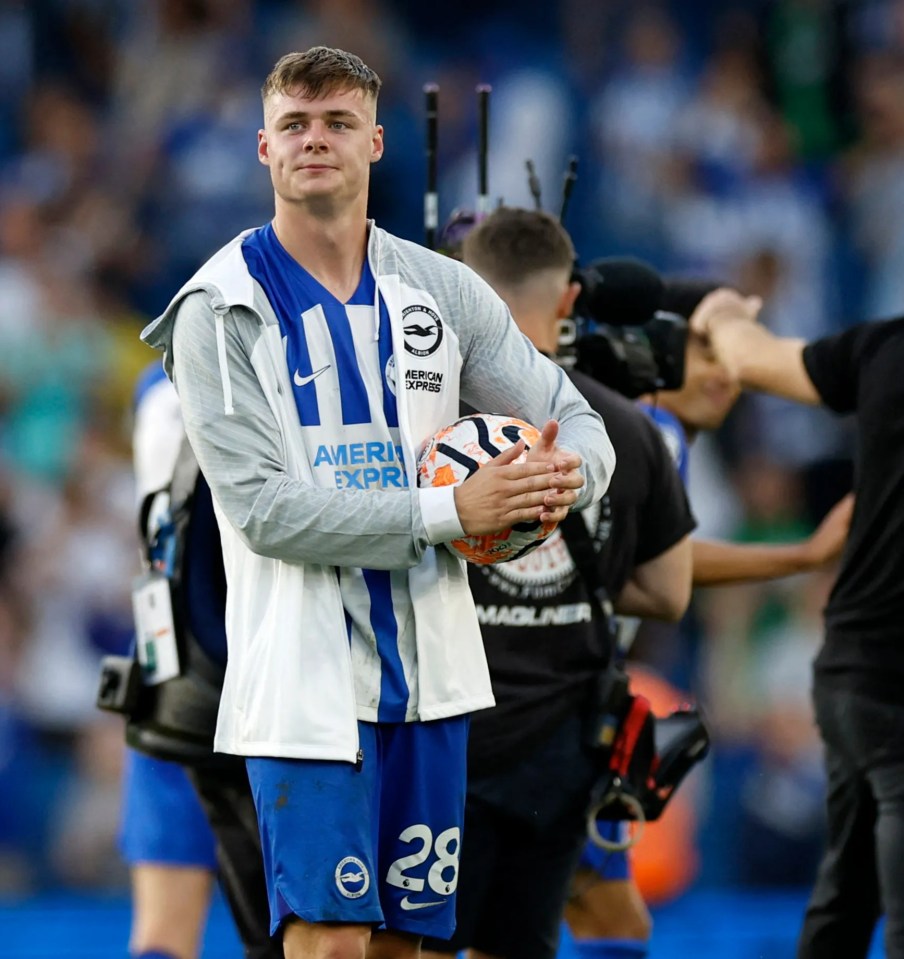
(376, 147)
(566, 301)
(263, 148)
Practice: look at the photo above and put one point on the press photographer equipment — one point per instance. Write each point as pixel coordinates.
(642, 758)
(620, 336)
(431, 200)
(171, 714)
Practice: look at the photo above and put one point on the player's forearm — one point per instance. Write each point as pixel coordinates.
(725, 564)
(505, 374)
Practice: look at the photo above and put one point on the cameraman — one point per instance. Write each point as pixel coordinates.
(529, 776)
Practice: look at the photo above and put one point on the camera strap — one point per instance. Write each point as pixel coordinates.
(580, 547)
(615, 728)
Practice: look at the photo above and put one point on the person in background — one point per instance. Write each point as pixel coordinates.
(185, 823)
(164, 835)
(529, 776)
(859, 670)
(606, 914)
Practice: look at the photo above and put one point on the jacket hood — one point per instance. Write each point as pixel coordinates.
(230, 285)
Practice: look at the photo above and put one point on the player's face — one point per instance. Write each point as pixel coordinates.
(708, 393)
(320, 150)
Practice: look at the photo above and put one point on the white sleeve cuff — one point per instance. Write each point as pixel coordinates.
(439, 514)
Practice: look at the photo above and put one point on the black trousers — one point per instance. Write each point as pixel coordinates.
(862, 871)
(525, 829)
(225, 794)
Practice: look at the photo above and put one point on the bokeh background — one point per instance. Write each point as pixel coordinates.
(758, 142)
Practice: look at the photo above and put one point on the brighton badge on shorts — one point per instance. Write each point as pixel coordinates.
(352, 878)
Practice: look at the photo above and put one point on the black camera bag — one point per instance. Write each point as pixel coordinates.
(643, 758)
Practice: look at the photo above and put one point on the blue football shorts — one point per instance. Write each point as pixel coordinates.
(376, 844)
(162, 820)
(608, 865)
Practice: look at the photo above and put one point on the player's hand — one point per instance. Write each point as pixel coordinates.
(827, 541)
(566, 463)
(503, 492)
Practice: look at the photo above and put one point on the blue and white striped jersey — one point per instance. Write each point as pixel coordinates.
(342, 370)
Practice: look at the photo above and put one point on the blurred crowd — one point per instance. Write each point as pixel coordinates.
(760, 143)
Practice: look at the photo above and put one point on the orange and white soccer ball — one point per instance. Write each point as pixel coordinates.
(459, 450)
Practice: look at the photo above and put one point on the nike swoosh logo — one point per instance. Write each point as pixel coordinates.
(407, 905)
(304, 380)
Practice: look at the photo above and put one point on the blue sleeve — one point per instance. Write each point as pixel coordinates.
(149, 377)
(673, 434)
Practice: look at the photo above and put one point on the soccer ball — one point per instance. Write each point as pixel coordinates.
(459, 450)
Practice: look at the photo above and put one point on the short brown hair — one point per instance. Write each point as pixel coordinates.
(512, 244)
(320, 71)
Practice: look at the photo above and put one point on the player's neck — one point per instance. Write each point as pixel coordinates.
(331, 248)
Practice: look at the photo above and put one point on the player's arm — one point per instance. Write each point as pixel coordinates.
(239, 447)
(721, 564)
(755, 356)
(157, 435)
(661, 587)
(238, 443)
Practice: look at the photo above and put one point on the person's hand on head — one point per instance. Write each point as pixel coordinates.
(724, 305)
(721, 321)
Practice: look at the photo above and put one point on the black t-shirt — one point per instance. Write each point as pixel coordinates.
(543, 647)
(861, 371)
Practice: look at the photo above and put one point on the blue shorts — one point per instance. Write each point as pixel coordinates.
(608, 865)
(376, 845)
(162, 820)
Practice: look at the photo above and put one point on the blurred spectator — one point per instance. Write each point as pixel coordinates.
(875, 178)
(16, 68)
(77, 580)
(805, 45)
(782, 799)
(634, 121)
(84, 839)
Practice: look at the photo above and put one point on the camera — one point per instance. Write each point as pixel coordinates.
(119, 688)
(620, 336)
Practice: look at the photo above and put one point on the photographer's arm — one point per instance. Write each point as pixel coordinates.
(661, 587)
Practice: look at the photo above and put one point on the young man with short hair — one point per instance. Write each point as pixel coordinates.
(354, 649)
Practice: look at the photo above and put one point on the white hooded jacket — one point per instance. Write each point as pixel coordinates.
(289, 688)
